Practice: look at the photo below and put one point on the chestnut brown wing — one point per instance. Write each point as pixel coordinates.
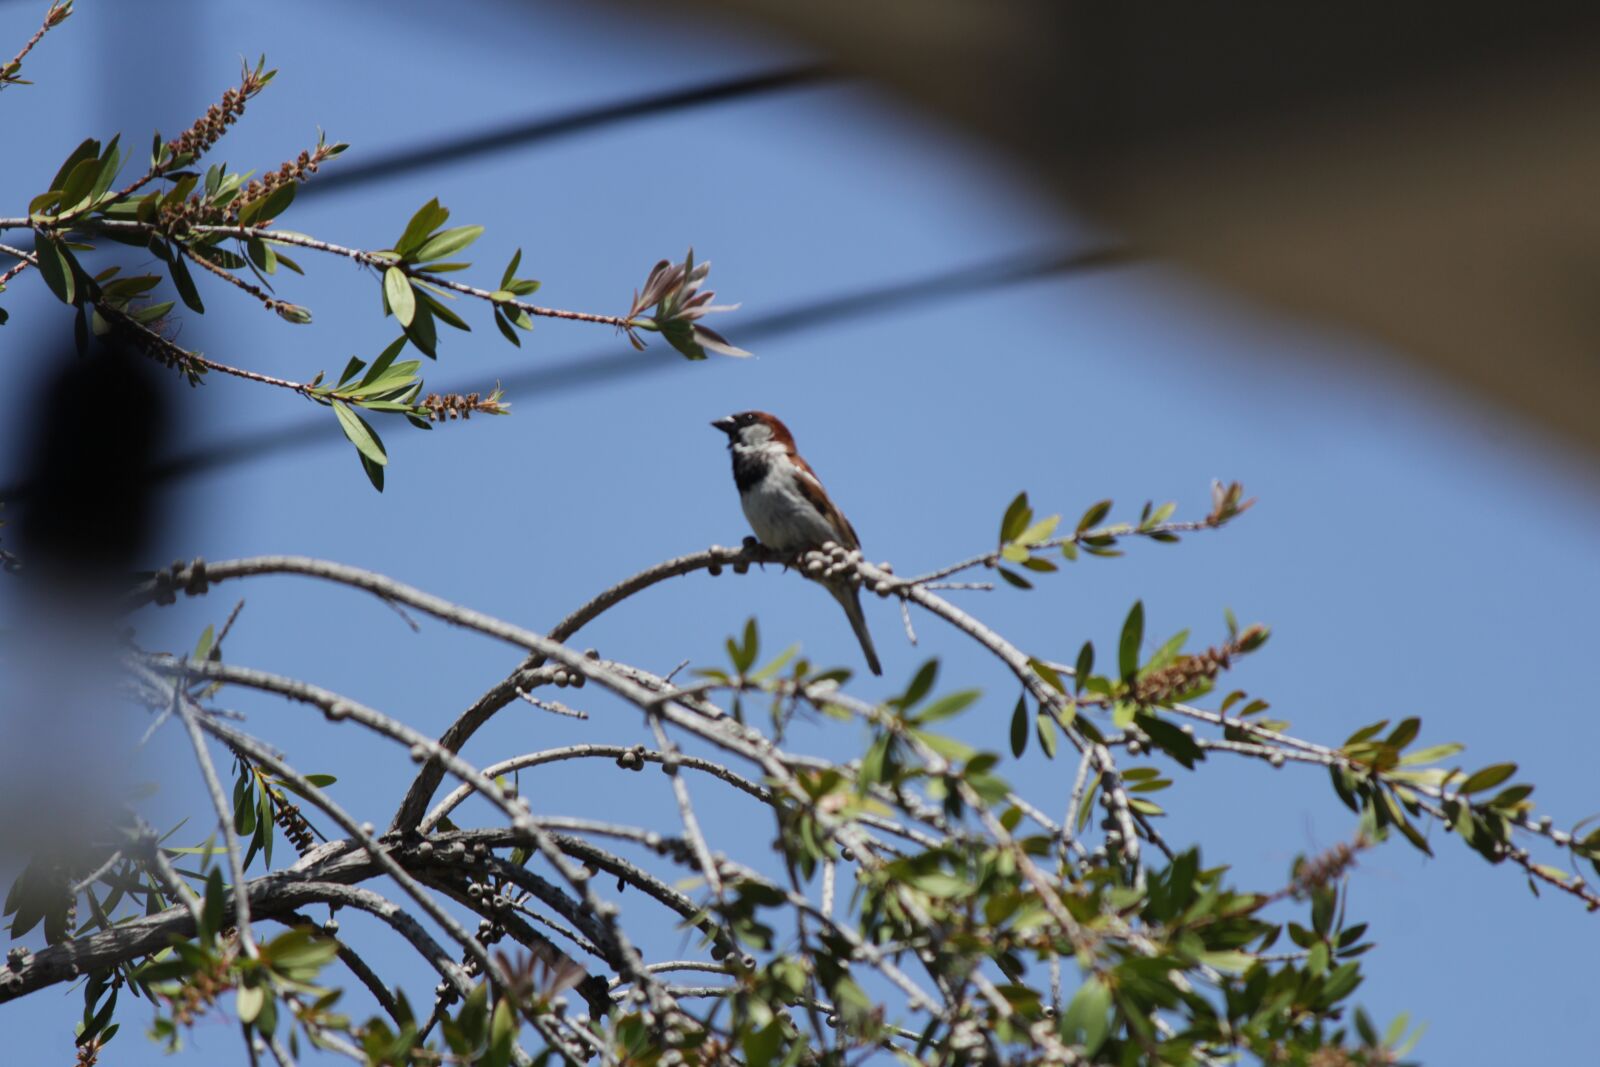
(811, 488)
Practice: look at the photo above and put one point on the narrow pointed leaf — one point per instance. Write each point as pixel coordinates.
(398, 292)
(361, 435)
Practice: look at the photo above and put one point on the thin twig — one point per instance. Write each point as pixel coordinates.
(554, 706)
(24, 261)
(268, 301)
(53, 17)
(219, 801)
(383, 261)
(680, 790)
(905, 618)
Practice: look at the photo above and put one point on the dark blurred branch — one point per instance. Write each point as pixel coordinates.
(448, 151)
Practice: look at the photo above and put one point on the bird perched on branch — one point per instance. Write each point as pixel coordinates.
(787, 507)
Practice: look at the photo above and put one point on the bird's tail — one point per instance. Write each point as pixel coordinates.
(849, 598)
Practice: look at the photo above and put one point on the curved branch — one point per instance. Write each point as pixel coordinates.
(271, 896)
(195, 578)
(613, 752)
(357, 966)
(485, 707)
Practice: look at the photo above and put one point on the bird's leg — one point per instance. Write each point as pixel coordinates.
(750, 544)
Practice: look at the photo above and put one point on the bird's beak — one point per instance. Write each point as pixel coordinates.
(725, 424)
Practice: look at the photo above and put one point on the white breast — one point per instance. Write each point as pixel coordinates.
(781, 517)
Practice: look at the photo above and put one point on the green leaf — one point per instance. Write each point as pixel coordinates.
(1014, 579)
(511, 269)
(1016, 518)
(1019, 726)
(1087, 1021)
(211, 911)
(373, 471)
(397, 291)
(248, 1002)
(1039, 531)
(55, 266)
(1171, 739)
(875, 762)
(361, 435)
(1366, 733)
(761, 1046)
(1085, 665)
(383, 362)
(1095, 513)
(88, 149)
(202, 647)
(1432, 754)
(777, 664)
(150, 314)
(1132, 638)
(1051, 676)
(921, 685)
(1511, 796)
(184, 283)
(1405, 733)
(429, 217)
(262, 254)
(244, 815)
(424, 333)
(443, 244)
(441, 312)
(947, 706)
(299, 949)
(75, 191)
(505, 329)
(502, 1034)
(742, 654)
(1341, 983)
(1047, 733)
(940, 884)
(1123, 713)
(1398, 815)
(269, 207)
(1405, 1047)
(948, 747)
(1168, 652)
(1487, 778)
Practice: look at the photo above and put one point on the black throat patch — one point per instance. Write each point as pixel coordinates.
(748, 469)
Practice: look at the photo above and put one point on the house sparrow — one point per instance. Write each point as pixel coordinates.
(787, 507)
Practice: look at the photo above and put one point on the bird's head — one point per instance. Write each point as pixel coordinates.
(754, 430)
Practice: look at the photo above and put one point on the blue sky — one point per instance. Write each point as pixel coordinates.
(1413, 552)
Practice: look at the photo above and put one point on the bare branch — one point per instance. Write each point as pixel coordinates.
(58, 13)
